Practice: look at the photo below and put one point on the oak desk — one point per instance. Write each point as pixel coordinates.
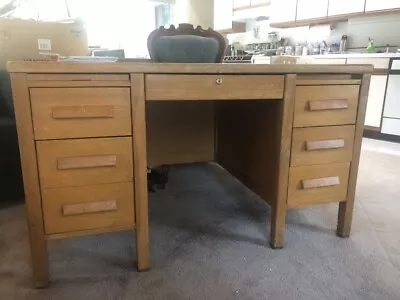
(88, 131)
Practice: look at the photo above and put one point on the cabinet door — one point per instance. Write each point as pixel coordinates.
(392, 103)
(240, 3)
(344, 7)
(376, 97)
(373, 5)
(223, 12)
(260, 2)
(311, 9)
(283, 11)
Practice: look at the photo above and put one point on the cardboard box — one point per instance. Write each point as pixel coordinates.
(29, 39)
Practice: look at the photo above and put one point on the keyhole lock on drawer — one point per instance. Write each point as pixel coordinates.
(218, 81)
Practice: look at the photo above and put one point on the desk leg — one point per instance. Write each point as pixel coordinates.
(278, 214)
(346, 208)
(278, 221)
(33, 202)
(140, 170)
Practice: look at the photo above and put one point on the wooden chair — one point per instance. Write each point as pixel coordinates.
(186, 44)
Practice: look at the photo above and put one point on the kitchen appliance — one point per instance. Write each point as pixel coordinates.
(239, 59)
(391, 111)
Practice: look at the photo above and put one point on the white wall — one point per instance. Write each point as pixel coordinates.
(196, 12)
(383, 29)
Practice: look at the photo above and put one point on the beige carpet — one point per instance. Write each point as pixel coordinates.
(208, 241)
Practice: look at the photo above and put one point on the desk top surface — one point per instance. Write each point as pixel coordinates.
(162, 68)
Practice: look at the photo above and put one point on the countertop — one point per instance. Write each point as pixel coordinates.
(163, 68)
(344, 55)
(357, 55)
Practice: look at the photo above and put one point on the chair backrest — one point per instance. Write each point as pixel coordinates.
(186, 44)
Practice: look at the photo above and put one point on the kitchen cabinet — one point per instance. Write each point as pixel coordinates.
(283, 11)
(311, 9)
(344, 7)
(223, 12)
(223, 18)
(378, 63)
(392, 103)
(376, 98)
(240, 3)
(260, 2)
(376, 5)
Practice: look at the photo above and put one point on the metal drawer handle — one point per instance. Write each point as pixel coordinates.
(320, 182)
(84, 162)
(82, 112)
(88, 208)
(324, 144)
(318, 105)
(218, 81)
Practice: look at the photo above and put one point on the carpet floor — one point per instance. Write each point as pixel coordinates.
(208, 237)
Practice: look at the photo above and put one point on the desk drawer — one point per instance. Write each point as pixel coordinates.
(325, 105)
(88, 207)
(80, 112)
(322, 145)
(309, 185)
(84, 162)
(214, 87)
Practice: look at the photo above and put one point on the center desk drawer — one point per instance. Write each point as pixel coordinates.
(84, 162)
(80, 112)
(88, 207)
(214, 87)
(326, 105)
(322, 145)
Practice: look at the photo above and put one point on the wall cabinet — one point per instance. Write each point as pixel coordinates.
(375, 5)
(376, 98)
(223, 17)
(223, 12)
(283, 11)
(344, 7)
(311, 9)
(240, 3)
(260, 2)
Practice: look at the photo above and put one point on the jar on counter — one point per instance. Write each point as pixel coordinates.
(289, 50)
(280, 51)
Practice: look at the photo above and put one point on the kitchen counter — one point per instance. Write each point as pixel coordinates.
(356, 55)
(342, 55)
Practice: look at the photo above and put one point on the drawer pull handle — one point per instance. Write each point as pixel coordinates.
(83, 112)
(318, 105)
(88, 208)
(218, 81)
(320, 182)
(324, 144)
(83, 162)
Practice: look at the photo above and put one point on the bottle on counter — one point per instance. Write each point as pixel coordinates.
(371, 47)
(343, 44)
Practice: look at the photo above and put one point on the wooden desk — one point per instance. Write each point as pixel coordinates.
(291, 133)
